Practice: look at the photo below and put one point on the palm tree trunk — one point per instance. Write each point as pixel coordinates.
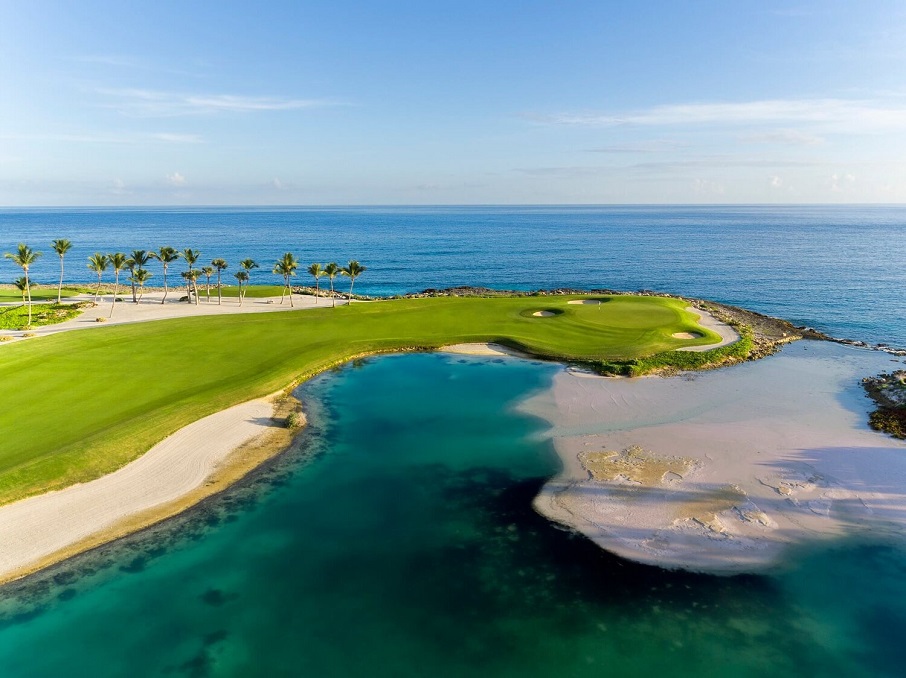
(195, 287)
(283, 293)
(290, 292)
(116, 286)
(165, 285)
(208, 289)
(97, 292)
(134, 300)
(317, 289)
(60, 288)
(333, 299)
(219, 298)
(28, 292)
(351, 283)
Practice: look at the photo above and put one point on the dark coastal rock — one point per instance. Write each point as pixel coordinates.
(888, 390)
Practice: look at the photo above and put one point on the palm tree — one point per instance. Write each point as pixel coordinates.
(208, 271)
(221, 266)
(332, 270)
(247, 265)
(242, 276)
(353, 271)
(166, 255)
(97, 262)
(191, 277)
(138, 260)
(118, 263)
(317, 272)
(61, 247)
(191, 256)
(287, 268)
(24, 257)
(21, 285)
(139, 277)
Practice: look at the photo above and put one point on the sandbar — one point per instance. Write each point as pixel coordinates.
(728, 471)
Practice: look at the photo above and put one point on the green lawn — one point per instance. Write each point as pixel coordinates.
(254, 291)
(8, 295)
(78, 405)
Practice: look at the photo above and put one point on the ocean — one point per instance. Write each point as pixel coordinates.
(839, 269)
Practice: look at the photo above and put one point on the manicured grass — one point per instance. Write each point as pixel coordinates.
(78, 405)
(254, 291)
(16, 317)
(37, 294)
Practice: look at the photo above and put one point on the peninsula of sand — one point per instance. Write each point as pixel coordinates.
(728, 471)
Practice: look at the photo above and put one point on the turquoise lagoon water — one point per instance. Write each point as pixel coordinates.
(398, 539)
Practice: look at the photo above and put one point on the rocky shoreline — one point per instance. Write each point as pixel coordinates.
(888, 390)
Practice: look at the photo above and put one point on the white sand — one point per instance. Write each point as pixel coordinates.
(543, 314)
(585, 301)
(687, 335)
(757, 459)
(150, 308)
(37, 527)
(727, 334)
(483, 349)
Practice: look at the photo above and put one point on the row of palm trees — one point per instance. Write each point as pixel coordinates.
(287, 265)
(99, 262)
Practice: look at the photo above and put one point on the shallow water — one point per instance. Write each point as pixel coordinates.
(399, 540)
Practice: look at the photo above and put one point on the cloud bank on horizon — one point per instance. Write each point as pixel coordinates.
(435, 103)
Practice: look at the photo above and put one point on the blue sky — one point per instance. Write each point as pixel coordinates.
(169, 103)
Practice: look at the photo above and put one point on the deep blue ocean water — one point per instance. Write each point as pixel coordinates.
(841, 269)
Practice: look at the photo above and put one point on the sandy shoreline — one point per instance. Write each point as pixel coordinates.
(725, 472)
(195, 462)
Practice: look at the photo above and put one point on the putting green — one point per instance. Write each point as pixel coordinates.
(77, 405)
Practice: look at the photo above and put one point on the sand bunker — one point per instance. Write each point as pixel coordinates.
(687, 335)
(543, 314)
(584, 301)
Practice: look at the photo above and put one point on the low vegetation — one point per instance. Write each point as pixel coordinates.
(16, 317)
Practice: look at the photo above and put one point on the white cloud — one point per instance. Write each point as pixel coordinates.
(855, 115)
(153, 103)
(841, 182)
(176, 179)
(114, 138)
(776, 182)
(789, 137)
(707, 187)
(279, 185)
(174, 138)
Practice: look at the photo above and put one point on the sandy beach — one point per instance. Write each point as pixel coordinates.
(725, 471)
(195, 462)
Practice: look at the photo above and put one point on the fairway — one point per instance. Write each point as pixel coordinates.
(78, 405)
